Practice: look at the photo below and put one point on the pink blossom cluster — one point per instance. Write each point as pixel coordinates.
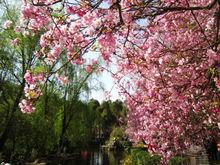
(62, 79)
(217, 83)
(74, 10)
(7, 24)
(107, 43)
(54, 54)
(33, 79)
(26, 106)
(170, 88)
(36, 16)
(88, 68)
(15, 42)
(31, 90)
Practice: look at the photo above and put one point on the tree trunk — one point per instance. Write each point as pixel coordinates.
(46, 100)
(63, 130)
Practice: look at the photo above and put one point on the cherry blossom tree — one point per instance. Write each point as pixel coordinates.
(166, 53)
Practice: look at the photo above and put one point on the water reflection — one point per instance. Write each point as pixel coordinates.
(92, 157)
(96, 158)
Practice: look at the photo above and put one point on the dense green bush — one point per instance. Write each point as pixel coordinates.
(177, 160)
(116, 139)
(139, 156)
(117, 132)
(127, 160)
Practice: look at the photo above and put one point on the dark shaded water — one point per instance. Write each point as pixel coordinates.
(90, 157)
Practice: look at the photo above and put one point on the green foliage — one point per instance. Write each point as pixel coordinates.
(142, 157)
(127, 160)
(39, 69)
(118, 109)
(58, 124)
(80, 130)
(177, 160)
(31, 136)
(118, 133)
(116, 139)
(93, 104)
(139, 156)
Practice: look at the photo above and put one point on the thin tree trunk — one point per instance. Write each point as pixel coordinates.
(46, 100)
(63, 128)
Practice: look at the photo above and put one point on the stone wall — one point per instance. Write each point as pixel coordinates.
(197, 156)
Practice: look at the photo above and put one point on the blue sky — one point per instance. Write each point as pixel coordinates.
(108, 85)
(105, 79)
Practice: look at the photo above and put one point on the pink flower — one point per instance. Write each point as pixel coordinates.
(37, 54)
(24, 2)
(65, 80)
(7, 24)
(26, 33)
(217, 83)
(94, 62)
(209, 24)
(62, 79)
(71, 10)
(78, 61)
(107, 40)
(213, 56)
(40, 77)
(17, 29)
(26, 106)
(97, 22)
(215, 110)
(80, 13)
(43, 41)
(31, 92)
(88, 69)
(55, 52)
(15, 42)
(28, 77)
